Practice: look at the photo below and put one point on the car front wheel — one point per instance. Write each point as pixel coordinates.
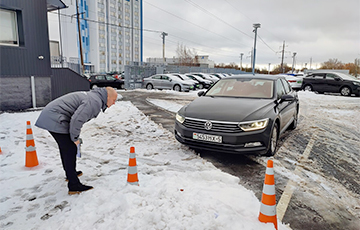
(149, 87)
(94, 86)
(273, 141)
(345, 91)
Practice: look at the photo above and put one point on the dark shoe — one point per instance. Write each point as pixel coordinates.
(78, 173)
(79, 188)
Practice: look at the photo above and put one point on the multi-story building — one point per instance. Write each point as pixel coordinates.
(111, 33)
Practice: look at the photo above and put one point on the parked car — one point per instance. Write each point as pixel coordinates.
(206, 76)
(242, 114)
(203, 83)
(187, 79)
(332, 82)
(104, 80)
(294, 81)
(167, 81)
(217, 75)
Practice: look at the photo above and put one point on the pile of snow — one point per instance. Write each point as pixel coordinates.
(178, 189)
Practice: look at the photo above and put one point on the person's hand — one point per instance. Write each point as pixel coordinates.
(77, 142)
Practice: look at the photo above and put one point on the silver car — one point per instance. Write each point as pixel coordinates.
(167, 81)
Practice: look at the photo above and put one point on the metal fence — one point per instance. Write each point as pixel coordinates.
(134, 75)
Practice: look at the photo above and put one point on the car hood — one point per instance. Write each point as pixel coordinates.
(227, 108)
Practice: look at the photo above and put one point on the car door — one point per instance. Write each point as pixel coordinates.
(332, 85)
(285, 108)
(319, 82)
(100, 80)
(166, 82)
(111, 81)
(156, 81)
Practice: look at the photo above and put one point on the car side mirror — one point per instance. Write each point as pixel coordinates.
(201, 93)
(170, 80)
(286, 97)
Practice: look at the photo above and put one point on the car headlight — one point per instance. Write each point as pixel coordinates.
(254, 125)
(356, 83)
(180, 118)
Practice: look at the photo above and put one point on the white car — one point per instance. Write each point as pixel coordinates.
(294, 81)
(167, 81)
(187, 79)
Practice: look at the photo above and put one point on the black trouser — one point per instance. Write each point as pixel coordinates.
(68, 151)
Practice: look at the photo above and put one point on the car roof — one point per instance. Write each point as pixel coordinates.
(256, 76)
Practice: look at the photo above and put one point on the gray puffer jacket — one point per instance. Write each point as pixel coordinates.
(67, 114)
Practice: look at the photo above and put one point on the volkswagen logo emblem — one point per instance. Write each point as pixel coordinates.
(208, 125)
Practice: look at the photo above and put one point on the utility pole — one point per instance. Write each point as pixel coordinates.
(292, 69)
(282, 57)
(163, 38)
(256, 26)
(80, 42)
(241, 55)
(310, 62)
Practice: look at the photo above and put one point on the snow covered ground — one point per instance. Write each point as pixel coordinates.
(178, 189)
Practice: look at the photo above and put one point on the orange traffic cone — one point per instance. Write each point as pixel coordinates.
(132, 171)
(268, 199)
(31, 158)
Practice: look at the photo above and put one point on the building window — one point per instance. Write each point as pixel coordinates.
(8, 28)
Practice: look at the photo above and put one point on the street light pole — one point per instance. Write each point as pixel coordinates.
(294, 54)
(256, 26)
(241, 55)
(163, 37)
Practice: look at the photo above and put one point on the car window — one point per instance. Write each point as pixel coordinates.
(286, 85)
(164, 77)
(279, 89)
(330, 76)
(100, 77)
(251, 88)
(318, 76)
(110, 78)
(156, 77)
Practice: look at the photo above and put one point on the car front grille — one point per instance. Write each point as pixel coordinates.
(217, 126)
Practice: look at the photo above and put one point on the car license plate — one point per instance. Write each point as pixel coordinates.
(207, 137)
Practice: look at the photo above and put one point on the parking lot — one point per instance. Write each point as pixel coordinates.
(316, 165)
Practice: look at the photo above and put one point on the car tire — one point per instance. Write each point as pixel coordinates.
(177, 88)
(273, 141)
(295, 121)
(345, 91)
(94, 86)
(149, 86)
(308, 88)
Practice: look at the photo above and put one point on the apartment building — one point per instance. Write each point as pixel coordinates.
(111, 33)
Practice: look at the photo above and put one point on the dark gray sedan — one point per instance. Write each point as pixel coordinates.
(239, 114)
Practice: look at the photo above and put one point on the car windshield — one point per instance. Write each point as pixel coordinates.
(179, 77)
(244, 87)
(347, 76)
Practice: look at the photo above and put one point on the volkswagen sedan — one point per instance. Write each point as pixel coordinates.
(242, 114)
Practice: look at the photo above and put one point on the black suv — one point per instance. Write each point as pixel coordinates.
(332, 82)
(104, 80)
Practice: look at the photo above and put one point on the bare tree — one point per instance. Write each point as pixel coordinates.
(185, 55)
(332, 64)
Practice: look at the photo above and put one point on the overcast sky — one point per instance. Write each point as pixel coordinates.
(316, 30)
